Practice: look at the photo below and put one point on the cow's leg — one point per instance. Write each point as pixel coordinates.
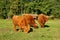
(14, 27)
(41, 22)
(19, 29)
(26, 29)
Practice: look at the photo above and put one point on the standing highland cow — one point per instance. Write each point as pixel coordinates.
(42, 19)
(21, 22)
(30, 20)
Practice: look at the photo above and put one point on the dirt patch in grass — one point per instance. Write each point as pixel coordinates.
(4, 30)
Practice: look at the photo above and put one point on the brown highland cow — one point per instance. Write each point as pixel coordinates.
(42, 19)
(30, 20)
(21, 23)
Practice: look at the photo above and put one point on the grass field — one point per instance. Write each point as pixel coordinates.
(48, 33)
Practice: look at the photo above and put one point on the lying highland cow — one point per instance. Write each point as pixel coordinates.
(42, 19)
(21, 23)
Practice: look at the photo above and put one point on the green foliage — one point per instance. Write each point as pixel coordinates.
(48, 7)
(10, 14)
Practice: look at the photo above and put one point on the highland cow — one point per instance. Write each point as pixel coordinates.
(30, 20)
(21, 23)
(42, 19)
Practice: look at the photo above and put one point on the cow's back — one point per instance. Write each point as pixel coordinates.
(17, 19)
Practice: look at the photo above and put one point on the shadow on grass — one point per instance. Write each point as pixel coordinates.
(46, 26)
(31, 30)
(17, 29)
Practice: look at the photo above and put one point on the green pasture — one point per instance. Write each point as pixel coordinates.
(48, 33)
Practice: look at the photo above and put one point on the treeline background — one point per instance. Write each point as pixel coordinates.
(18, 7)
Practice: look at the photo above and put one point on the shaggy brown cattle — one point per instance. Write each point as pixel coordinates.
(21, 23)
(42, 19)
(30, 20)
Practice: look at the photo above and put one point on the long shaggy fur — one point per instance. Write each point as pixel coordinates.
(42, 19)
(30, 20)
(21, 22)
